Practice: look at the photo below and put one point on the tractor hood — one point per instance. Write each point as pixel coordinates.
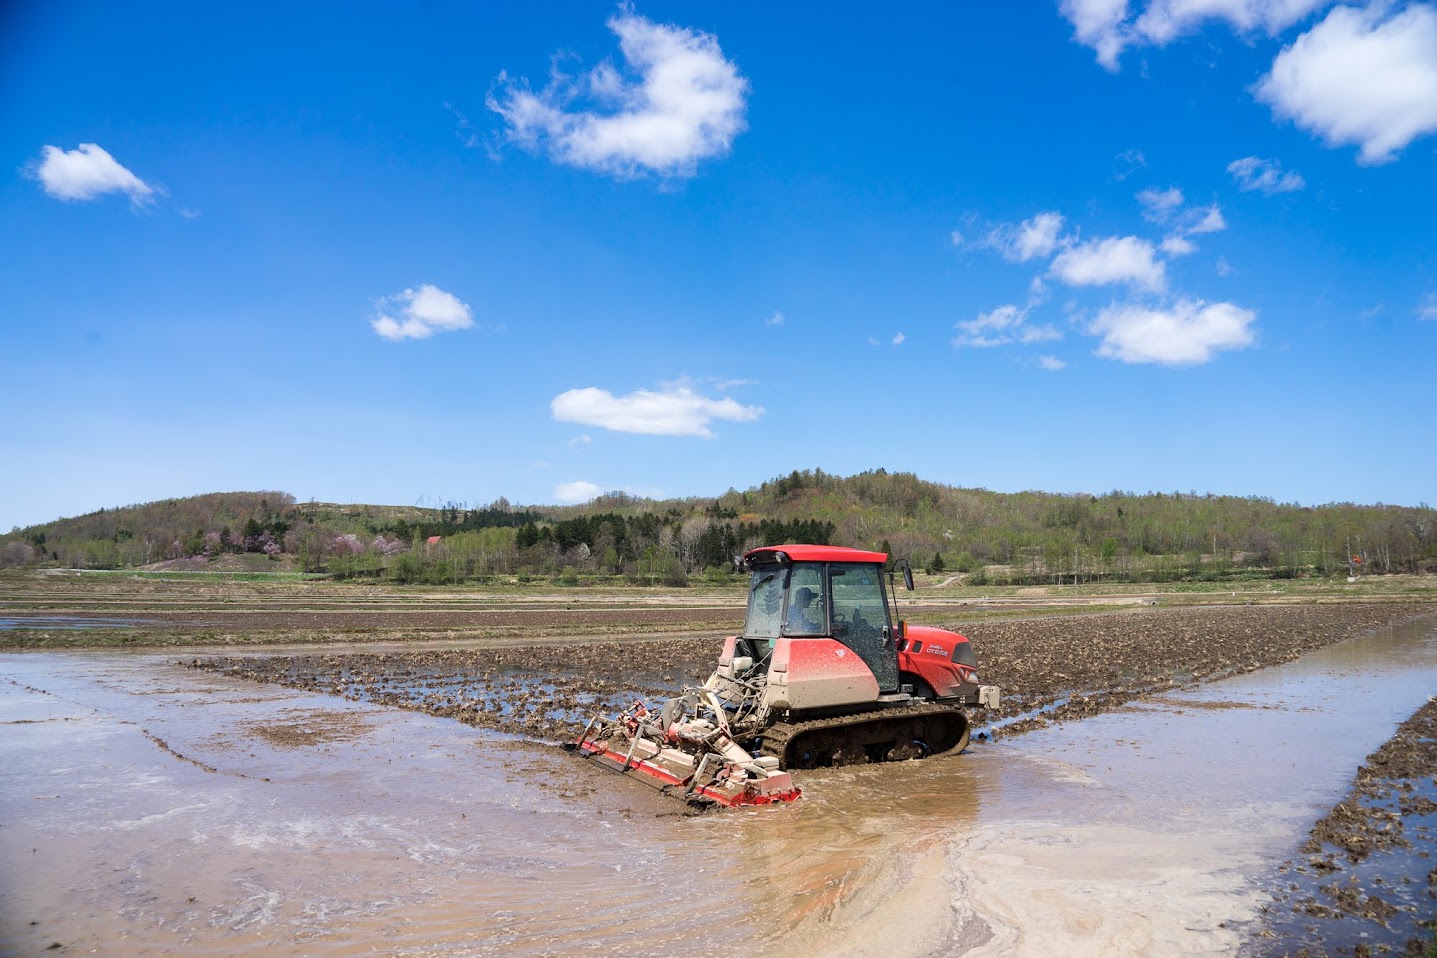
(934, 639)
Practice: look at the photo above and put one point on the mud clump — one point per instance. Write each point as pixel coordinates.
(1385, 826)
(1076, 666)
(1050, 670)
(1069, 667)
(541, 692)
(309, 727)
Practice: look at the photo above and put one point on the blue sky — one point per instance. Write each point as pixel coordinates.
(371, 253)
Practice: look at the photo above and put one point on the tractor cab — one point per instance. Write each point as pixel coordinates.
(822, 592)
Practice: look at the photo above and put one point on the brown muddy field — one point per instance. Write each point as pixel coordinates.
(538, 666)
(1386, 824)
(1051, 670)
(1067, 666)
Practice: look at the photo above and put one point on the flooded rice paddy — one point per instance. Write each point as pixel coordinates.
(64, 623)
(147, 808)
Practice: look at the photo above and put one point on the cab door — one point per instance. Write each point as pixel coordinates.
(858, 617)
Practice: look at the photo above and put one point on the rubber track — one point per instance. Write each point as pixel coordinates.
(780, 735)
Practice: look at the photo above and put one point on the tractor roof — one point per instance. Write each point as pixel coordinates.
(805, 553)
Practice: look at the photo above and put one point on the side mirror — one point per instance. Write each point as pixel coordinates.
(908, 576)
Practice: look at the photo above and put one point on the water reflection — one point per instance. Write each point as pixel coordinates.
(64, 623)
(1141, 831)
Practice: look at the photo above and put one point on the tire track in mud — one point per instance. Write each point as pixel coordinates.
(164, 746)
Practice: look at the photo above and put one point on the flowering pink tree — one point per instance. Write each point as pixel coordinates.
(388, 547)
(16, 553)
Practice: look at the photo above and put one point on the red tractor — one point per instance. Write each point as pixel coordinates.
(823, 674)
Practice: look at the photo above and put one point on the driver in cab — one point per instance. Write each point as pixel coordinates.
(801, 612)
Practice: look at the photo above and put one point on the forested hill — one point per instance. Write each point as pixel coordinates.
(1029, 536)
(969, 528)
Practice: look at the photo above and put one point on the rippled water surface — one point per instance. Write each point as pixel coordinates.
(150, 809)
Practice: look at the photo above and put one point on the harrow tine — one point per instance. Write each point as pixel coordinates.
(587, 729)
(633, 747)
(696, 779)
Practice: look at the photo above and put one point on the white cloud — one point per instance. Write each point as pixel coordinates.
(898, 339)
(1166, 207)
(1178, 246)
(956, 238)
(1104, 24)
(1256, 173)
(1209, 220)
(1038, 334)
(1117, 259)
(581, 440)
(422, 313)
(1100, 25)
(1051, 363)
(1427, 309)
(88, 172)
(1165, 20)
(1159, 205)
(1189, 222)
(679, 101)
(1000, 327)
(1029, 239)
(574, 492)
(676, 411)
(466, 131)
(1127, 163)
(1358, 78)
(1038, 236)
(1163, 207)
(775, 320)
(1187, 334)
(1035, 237)
(1224, 268)
(1004, 317)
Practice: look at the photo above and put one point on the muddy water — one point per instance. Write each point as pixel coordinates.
(148, 809)
(1152, 830)
(64, 623)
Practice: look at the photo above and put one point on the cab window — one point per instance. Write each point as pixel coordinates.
(859, 609)
(765, 602)
(807, 612)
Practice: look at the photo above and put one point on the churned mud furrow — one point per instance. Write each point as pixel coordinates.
(1083, 665)
(359, 796)
(1050, 669)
